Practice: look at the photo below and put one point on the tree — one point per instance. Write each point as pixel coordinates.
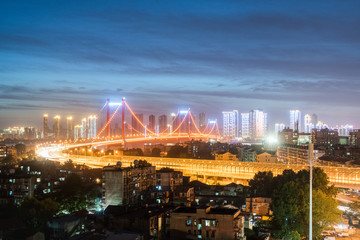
(290, 203)
(156, 152)
(177, 151)
(69, 165)
(74, 194)
(8, 160)
(262, 184)
(20, 148)
(36, 213)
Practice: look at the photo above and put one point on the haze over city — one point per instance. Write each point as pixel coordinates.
(68, 57)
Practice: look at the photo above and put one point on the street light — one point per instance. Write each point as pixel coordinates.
(311, 158)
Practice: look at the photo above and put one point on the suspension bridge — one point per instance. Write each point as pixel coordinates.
(182, 127)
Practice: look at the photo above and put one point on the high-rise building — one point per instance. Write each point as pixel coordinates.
(123, 188)
(185, 122)
(151, 125)
(295, 120)
(314, 119)
(174, 121)
(46, 127)
(245, 125)
(344, 131)
(279, 127)
(162, 123)
(29, 133)
(202, 121)
(84, 130)
(56, 127)
(321, 125)
(69, 128)
(308, 125)
(230, 124)
(77, 132)
(136, 126)
(91, 127)
(257, 124)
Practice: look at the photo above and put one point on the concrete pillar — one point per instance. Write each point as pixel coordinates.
(215, 180)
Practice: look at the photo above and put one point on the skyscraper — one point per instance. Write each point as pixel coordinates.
(91, 127)
(77, 132)
(46, 127)
(308, 125)
(314, 119)
(84, 130)
(56, 128)
(69, 128)
(279, 127)
(162, 123)
(295, 120)
(257, 124)
(230, 124)
(151, 125)
(245, 125)
(202, 121)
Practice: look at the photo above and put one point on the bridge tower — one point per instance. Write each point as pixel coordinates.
(123, 121)
(107, 118)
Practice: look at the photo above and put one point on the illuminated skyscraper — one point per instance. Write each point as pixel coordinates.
(345, 130)
(56, 128)
(46, 127)
(151, 125)
(314, 119)
(162, 123)
(308, 125)
(77, 131)
(279, 127)
(84, 130)
(202, 121)
(69, 128)
(91, 126)
(245, 125)
(257, 124)
(295, 120)
(230, 124)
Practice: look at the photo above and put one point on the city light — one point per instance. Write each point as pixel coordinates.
(115, 104)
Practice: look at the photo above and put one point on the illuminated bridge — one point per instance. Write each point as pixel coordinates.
(182, 127)
(215, 171)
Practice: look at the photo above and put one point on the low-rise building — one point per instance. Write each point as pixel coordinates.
(265, 158)
(259, 206)
(183, 195)
(152, 222)
(206, 223)
(14, 188)
(226, 156)
(167, 178)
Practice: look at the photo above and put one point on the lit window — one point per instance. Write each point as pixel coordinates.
(207, 223)
(188, 221)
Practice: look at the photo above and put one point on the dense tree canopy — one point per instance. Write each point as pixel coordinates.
(290, 201)
(75, 195)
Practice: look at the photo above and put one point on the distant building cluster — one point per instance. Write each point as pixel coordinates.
(86, 130)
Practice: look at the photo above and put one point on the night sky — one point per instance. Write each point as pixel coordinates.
(67, 57)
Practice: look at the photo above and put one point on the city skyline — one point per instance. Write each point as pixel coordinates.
(212, 57)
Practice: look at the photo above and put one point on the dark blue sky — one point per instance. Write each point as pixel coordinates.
(67, 57)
